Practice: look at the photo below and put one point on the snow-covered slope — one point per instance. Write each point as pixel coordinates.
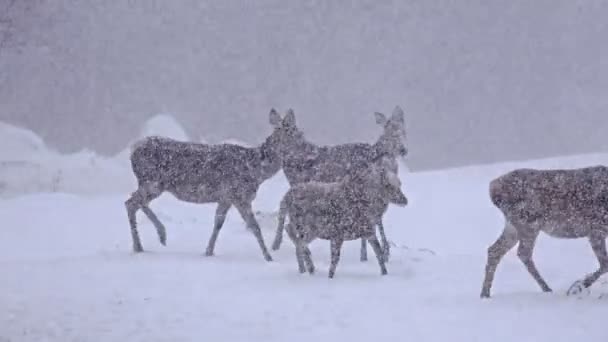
(68, 273)
(20, 143)
(28, 166)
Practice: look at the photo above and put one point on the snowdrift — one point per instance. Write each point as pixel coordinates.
(28, 166)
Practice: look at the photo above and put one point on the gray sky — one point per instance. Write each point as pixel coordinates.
(480, 81)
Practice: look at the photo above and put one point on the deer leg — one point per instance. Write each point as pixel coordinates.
(505, 242)
(298, 244)
(278, 238)
(336, 246)
(276, 244)
(132, 205)
(386, 248)
(524, 252)
(160, 228)
(220, 217)
(363, 249)
(247, 214)
(300, 258)
(138, 200)
(598, 244)
(373, 241)
(310, 266)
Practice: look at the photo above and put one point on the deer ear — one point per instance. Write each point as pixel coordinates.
(398, 115)
(290, 118)
(380, 118)
(274, 118)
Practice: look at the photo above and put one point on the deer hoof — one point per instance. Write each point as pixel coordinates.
(276, 245)
(576, 288)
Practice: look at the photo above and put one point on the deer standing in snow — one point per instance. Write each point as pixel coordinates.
(226, 174)
(340, 211)
(304, 161)
(566, 204)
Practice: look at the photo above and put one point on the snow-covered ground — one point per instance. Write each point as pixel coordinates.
(68, 273)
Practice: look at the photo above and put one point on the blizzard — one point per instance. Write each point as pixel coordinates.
(69, 274)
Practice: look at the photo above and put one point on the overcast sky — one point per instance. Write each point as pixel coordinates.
(480, 81)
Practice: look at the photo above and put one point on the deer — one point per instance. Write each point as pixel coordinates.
(563, 203)
(304, 161)
(226, 174)
(340, 211)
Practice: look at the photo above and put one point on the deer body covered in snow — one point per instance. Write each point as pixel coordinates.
(304, 161)
(565, 204)
(226, 174)
(340, 211)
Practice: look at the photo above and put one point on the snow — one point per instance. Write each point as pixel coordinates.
(164, 125)
(28, 166)
(68, 273)
(160, 124)
(235, 142)
(18, 142)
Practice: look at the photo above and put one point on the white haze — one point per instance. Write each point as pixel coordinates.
(480, 81)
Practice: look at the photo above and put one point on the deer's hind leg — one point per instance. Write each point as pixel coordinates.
(140, 199)
(160, 227)
(291, 232)
(380, 254)
(597, 239)
(525, 251)
(386, 248)
(505, 242)
(247, 213)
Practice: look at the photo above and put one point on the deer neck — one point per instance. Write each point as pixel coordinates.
(269, 162)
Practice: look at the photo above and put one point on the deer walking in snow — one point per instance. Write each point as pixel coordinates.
(566, 204)
(226, 174)
(340, 211)
(304, 161)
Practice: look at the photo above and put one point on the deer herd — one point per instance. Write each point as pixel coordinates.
(341, 192)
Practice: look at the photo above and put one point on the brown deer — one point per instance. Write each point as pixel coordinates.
(226, 174)
(304, 161)
(340, 211)
(565, 204)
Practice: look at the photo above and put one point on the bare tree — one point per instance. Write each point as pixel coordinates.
(14, 19)
(7, 22)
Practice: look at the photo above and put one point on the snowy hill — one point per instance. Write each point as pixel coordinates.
(20, 143)
(28, 166)
(163, 125)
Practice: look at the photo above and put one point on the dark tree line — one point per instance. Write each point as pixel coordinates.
(15, 17)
